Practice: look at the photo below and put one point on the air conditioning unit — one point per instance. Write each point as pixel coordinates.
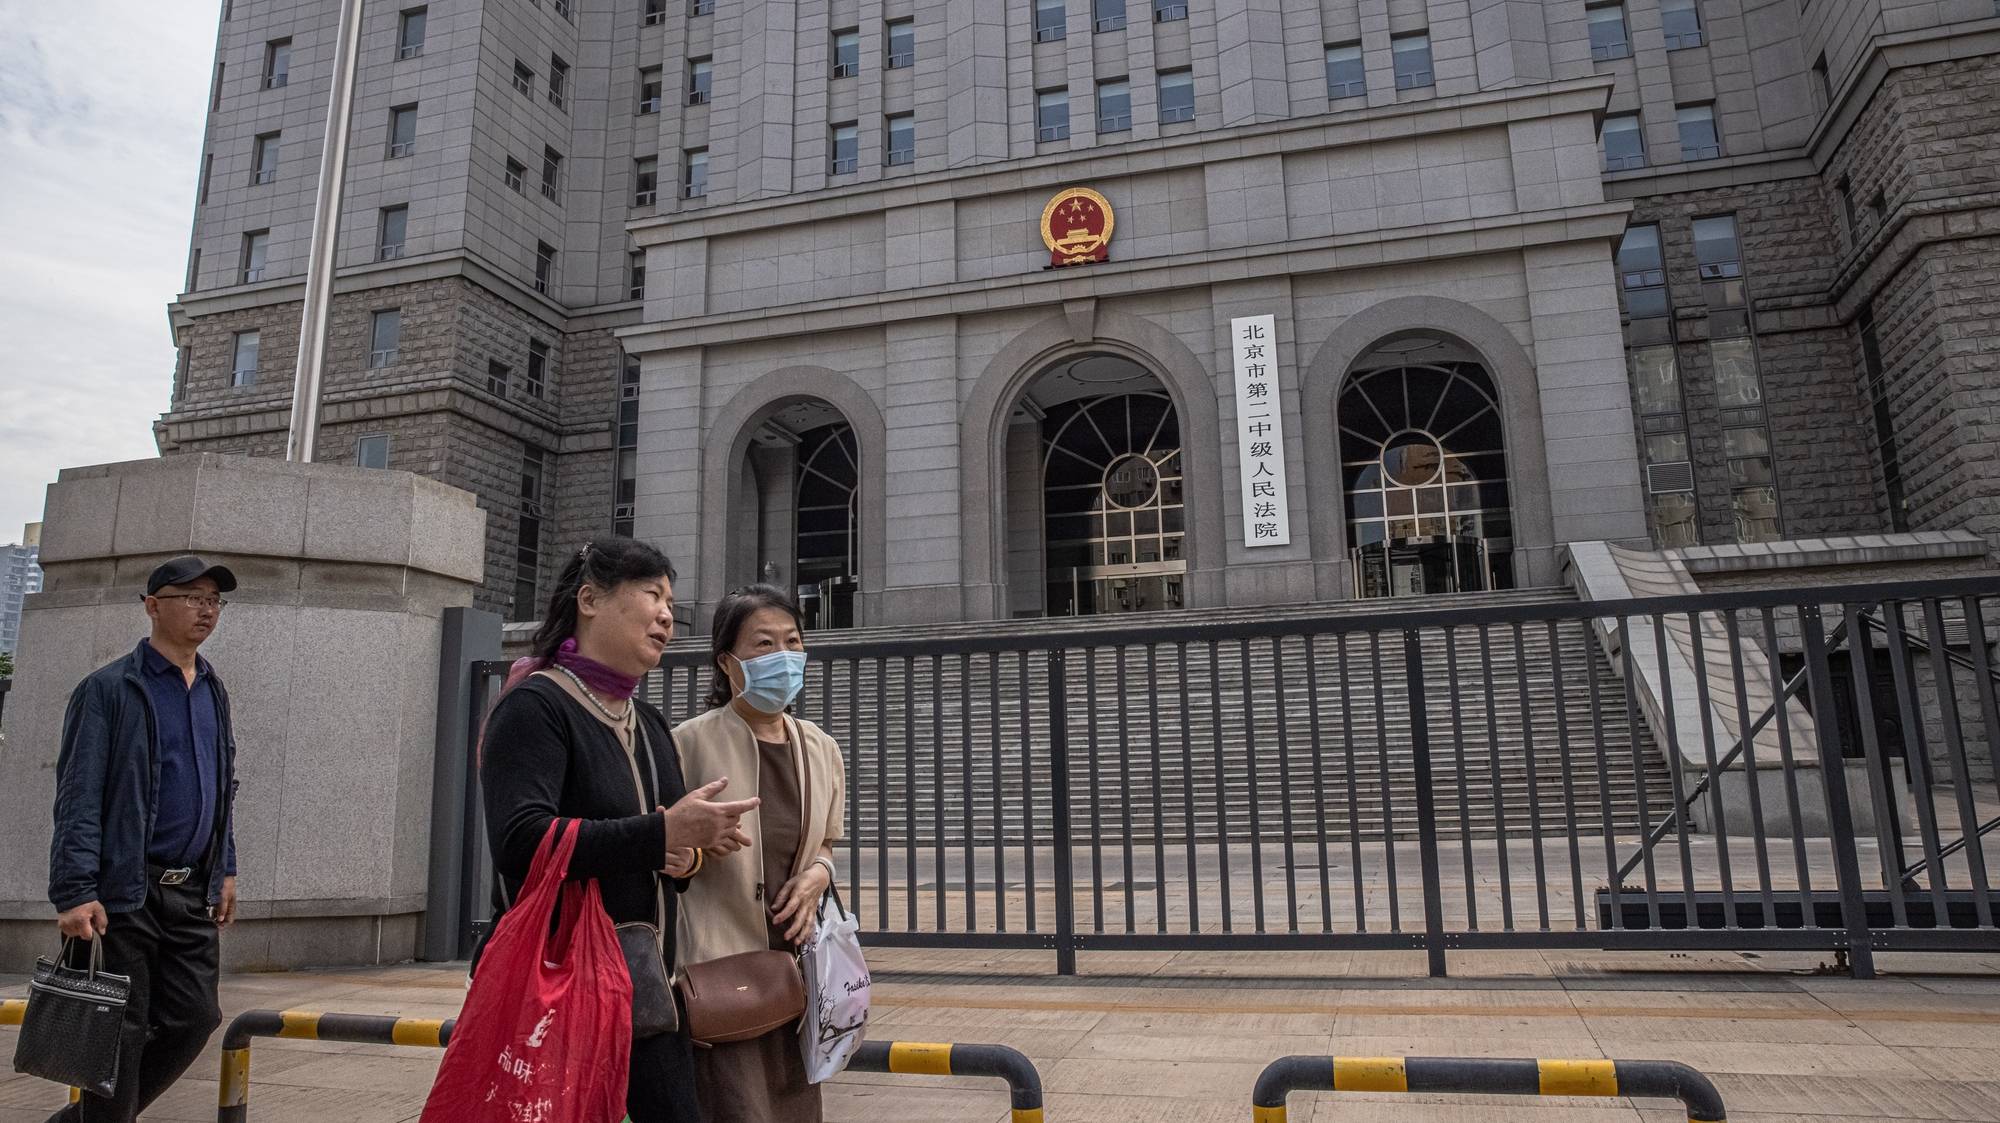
(1663, 479)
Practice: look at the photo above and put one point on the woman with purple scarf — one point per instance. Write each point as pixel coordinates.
(569, 739)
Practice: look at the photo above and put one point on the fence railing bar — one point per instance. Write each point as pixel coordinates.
(1091, 785)
(1774, 670)
(1916, 754)
(1221, 785)
(1751, 775)
(1285, 784)
(965, 782)
(1833, 777)
(1534, 787)
(1639, 765)
(1954, 740)
(1388, 798)
(943, 891)
(909, 719)
(1159, 795)
(1319, 787)
(1056, 716)
(1985, 678)
(1459, 774)
(1593, 654)
(1881, 789)
(1250, 773)
(1494, 775)
(1568, 773)
(1982, 666)
(1718, 814)
(1187, 788)
(1125, 788)
(1352, 785)
(1427, 849)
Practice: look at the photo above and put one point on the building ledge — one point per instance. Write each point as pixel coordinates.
(1808, 553)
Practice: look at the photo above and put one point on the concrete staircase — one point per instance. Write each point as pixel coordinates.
(1167, 739)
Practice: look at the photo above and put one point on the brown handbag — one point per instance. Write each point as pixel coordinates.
(739, 997)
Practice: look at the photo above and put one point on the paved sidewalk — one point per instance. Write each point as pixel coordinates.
(1161, 1038)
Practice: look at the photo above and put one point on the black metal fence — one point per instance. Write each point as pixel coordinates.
(1746, 770)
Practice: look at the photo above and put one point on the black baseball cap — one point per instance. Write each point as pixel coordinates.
(182, 570)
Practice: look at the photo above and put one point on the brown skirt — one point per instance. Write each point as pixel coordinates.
(762, 1080)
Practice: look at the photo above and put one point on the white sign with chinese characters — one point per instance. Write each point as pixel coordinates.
(1260, 431)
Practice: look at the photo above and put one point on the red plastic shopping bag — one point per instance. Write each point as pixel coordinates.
(546, 1032)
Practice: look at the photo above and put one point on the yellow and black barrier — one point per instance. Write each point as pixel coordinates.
(1470, 1075)
(233, 1098)
(924, 1059)
(12, 1010)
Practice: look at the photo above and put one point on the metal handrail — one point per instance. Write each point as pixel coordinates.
(1923, 643)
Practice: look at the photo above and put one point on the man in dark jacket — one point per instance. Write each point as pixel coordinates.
(144, 853)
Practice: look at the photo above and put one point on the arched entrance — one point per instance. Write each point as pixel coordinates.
(803, 466)
(1424, 471)
(1108, 473)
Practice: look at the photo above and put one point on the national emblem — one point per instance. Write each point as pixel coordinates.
(1076, 226)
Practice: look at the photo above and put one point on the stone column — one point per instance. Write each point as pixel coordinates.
(329, 648)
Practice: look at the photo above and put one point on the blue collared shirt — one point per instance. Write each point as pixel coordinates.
(189, 758)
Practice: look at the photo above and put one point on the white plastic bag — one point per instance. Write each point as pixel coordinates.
(836, 991)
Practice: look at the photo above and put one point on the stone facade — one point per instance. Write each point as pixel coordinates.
(806, 276)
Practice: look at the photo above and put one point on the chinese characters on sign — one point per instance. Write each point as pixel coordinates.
(1076, 226)
(1260, 431)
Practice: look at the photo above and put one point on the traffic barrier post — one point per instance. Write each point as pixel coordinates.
(916, 1058)
(1480, 1076)
(233, 1094)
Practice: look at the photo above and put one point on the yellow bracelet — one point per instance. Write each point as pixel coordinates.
(697, 862)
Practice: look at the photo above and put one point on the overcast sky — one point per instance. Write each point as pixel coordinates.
(101, 106)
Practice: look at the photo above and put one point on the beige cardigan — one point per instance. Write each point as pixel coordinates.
(723, 911)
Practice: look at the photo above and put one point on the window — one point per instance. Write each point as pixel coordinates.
(392, 230)
(264, 159)
(1176, 96)
(558, 80)
(656, 13)
(538, 368)
(1719, 260)
(846, 53)
(1114, 106)
(545, 267)
(902, 43)
(1698, 137)
(1167, 11)
(1344, 74)
(256, 244)
(635, 269)
(1108, 15)
(410, 33)
(1642, 273)
(1624, 145)
(524, 78)
(1412, 57)
(901, 129)
(1844, 196)
(846, 148)
(1736, 383)
(194, 269)
(497, 373)
(385, 337)
(701, 72)
(1052, 115)
(515, 172)
(565, 9)
(207, 170)
(1051, 21)
(694, 173)
(402, 131)
(277, 63)
(1656, 383)
(528, 543)
(1822, 82)
(215, 92)
(646, 181)
(625, 486)
(1886, 444)
(649, 90)
(1674, 519)
(551, 173)
(372, 451)
(1756, 510)
(1608, 37)
(243, 369)
(701, 7)
(1681, 20)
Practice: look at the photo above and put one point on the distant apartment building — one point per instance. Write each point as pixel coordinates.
(19, 576)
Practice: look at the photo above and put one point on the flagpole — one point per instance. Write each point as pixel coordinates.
(325, 237)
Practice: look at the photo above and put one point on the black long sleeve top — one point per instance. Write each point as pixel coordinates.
(546, 757)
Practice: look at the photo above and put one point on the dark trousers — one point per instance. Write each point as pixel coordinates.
(661, 1088)
(169, 947)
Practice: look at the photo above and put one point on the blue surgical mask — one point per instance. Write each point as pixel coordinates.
(772, 682)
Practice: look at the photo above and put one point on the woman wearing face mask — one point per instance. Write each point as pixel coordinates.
(767, 895)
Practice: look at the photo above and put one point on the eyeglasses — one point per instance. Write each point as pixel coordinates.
(196, 601)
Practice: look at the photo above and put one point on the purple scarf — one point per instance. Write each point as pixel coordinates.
(595, 675)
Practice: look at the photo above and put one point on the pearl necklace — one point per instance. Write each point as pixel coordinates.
(589, 696)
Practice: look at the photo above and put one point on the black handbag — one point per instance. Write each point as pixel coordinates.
(653, 1008)
(71, 1031)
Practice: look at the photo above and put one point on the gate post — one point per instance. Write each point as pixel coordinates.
(1420, 752)
(454, 894)
(1065, 872)
(1840, 815)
